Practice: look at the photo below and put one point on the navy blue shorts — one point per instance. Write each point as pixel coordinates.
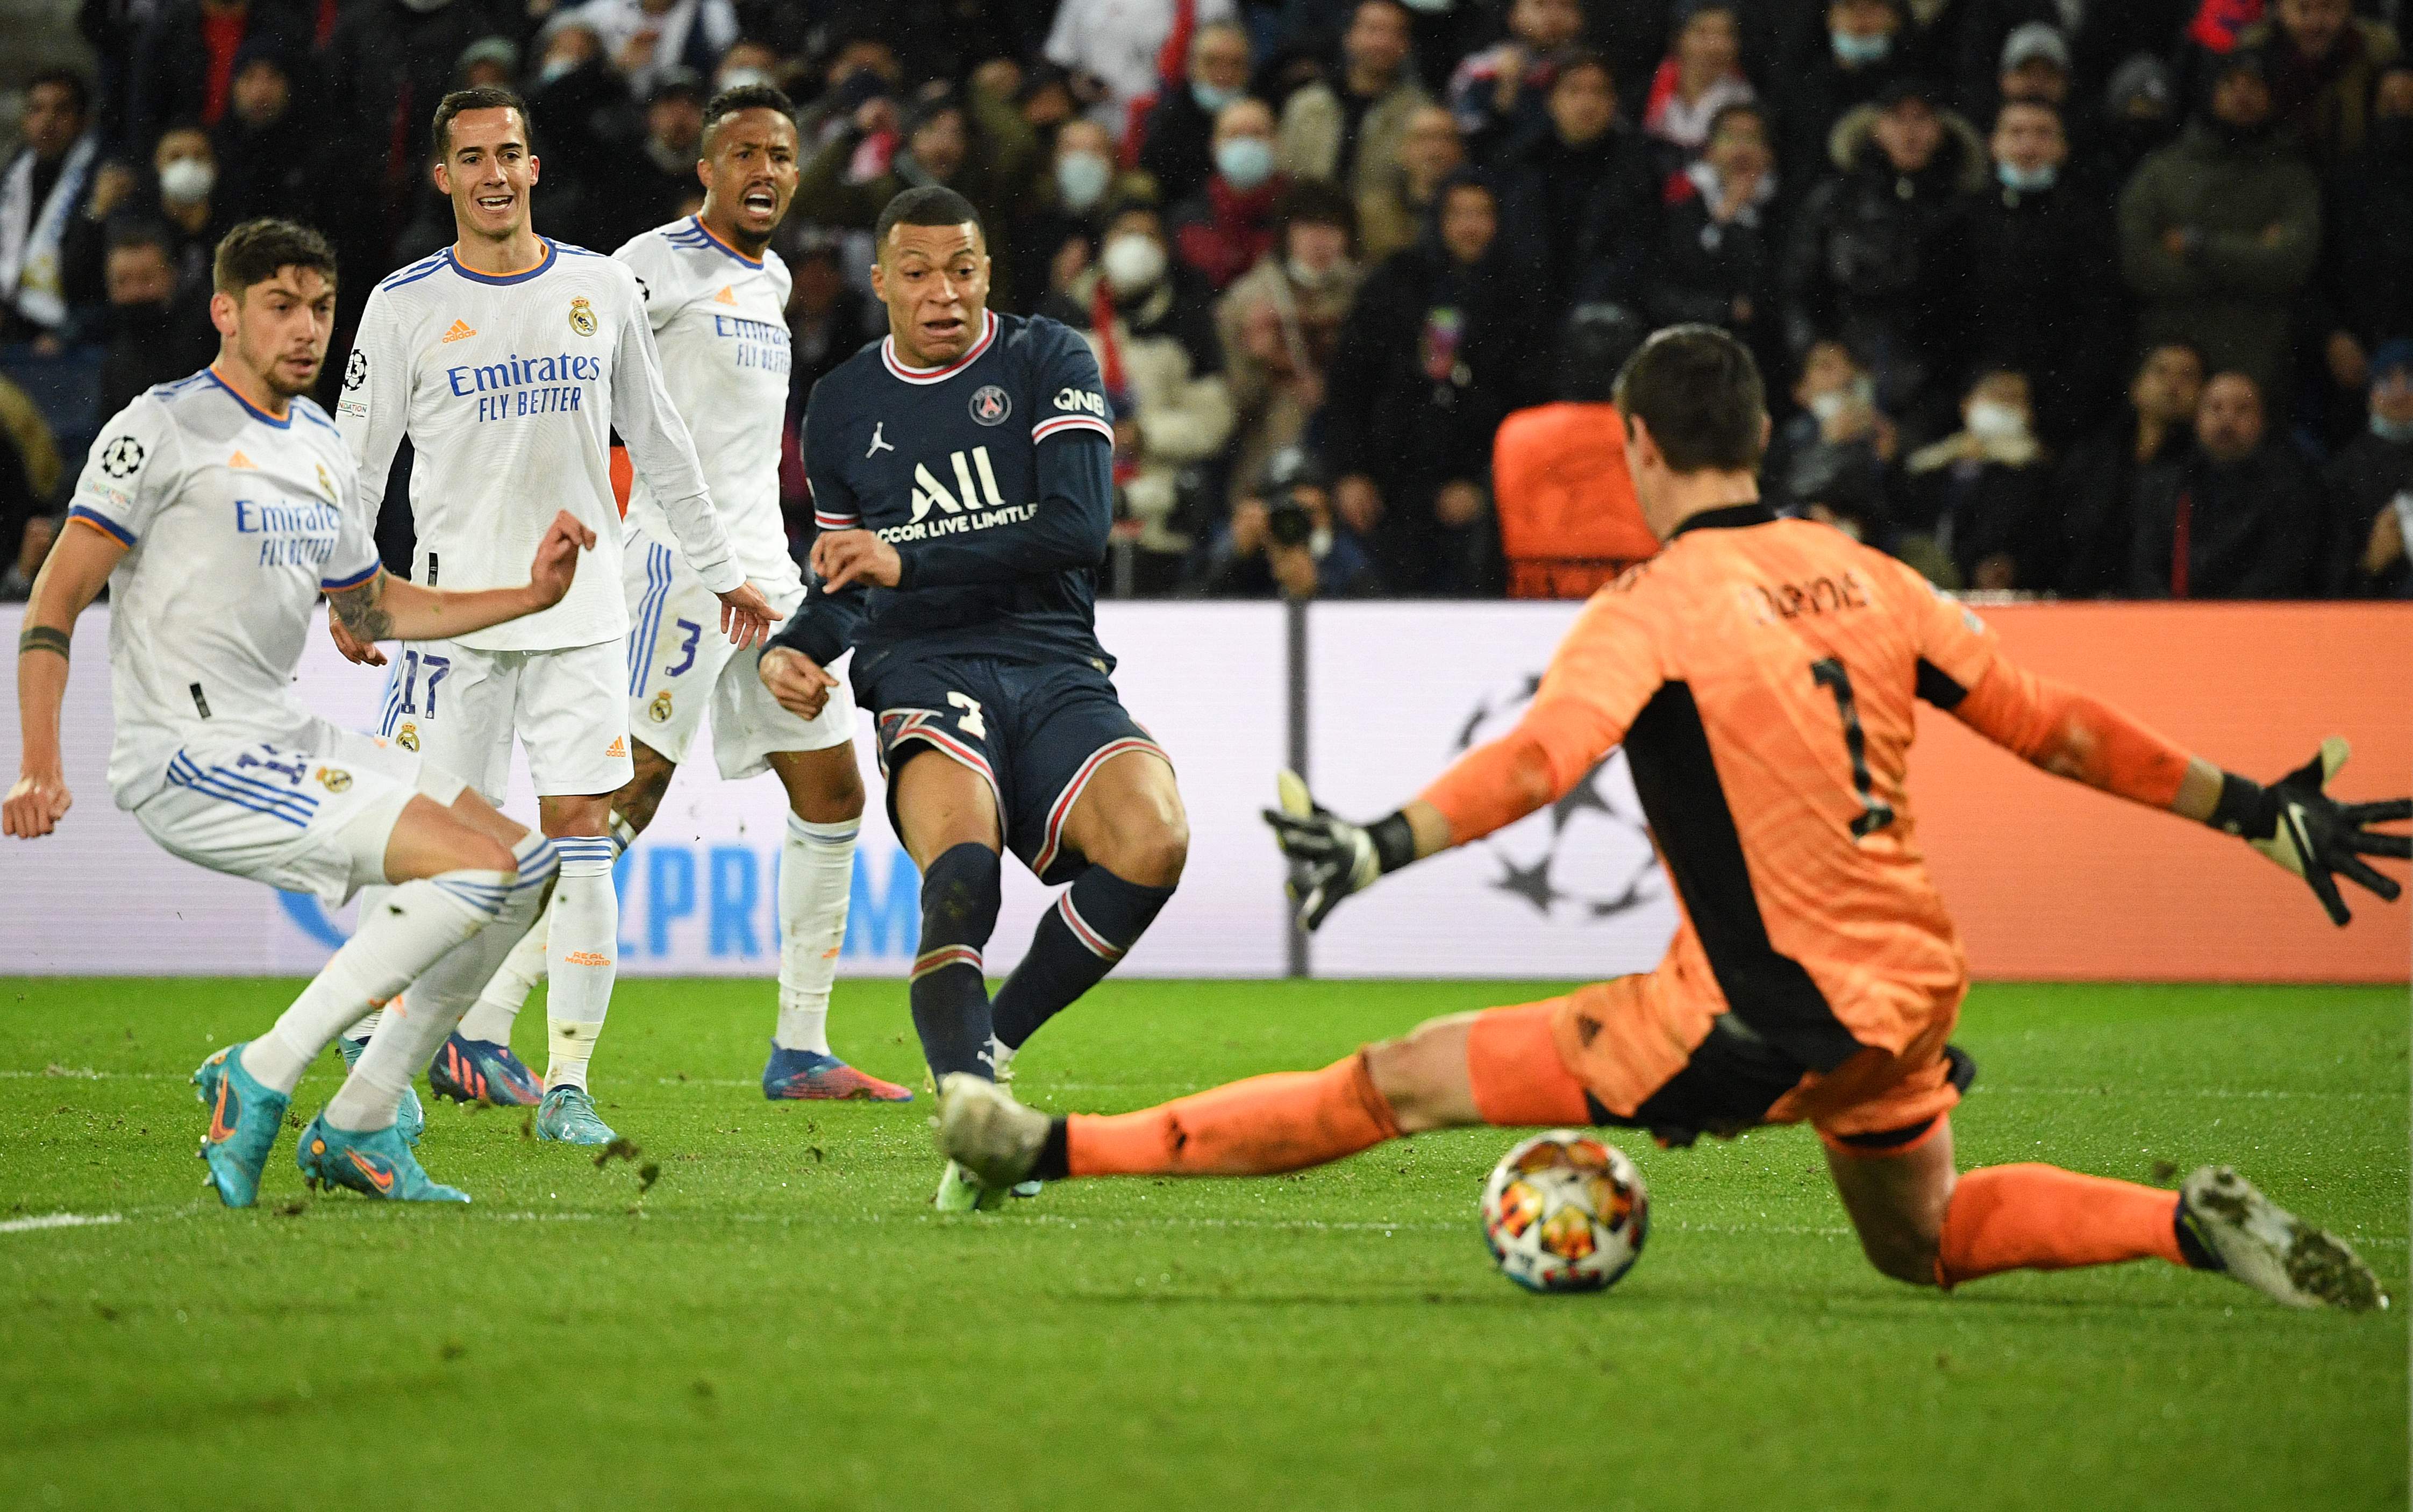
(1036, 734)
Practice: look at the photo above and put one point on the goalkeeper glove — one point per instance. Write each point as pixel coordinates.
(1331, 858)
(2302, 828)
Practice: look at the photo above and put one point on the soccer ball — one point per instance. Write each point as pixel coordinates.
(1565, 1213)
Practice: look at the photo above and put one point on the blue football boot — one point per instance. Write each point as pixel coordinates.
(483, 1070)
(810, 1076)
(245, 1117)
(569, 1116)
(409, 1118)
(376, 1164)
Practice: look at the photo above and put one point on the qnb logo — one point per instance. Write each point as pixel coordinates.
(975, 502)
(1082, 400)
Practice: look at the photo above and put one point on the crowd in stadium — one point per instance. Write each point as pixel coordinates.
(2095, 298)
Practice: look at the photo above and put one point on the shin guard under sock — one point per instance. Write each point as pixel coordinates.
(950, 996)
(1078, 942)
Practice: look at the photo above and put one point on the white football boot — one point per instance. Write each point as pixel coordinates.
(2260, 1243)
(995, 1139)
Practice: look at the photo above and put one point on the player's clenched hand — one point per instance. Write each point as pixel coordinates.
(1332, 857)
(745, 615)
(798, 682)
(35, 804)
(556, 557)
(357, 651)
(2298, 825)
(844, 556)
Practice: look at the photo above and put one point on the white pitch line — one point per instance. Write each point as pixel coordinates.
(26, 1225)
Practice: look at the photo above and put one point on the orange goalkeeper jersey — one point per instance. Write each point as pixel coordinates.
(1760, 674)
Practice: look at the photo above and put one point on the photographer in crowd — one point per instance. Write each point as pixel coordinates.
(1282, 540)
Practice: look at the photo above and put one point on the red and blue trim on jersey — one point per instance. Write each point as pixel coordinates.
(939, 374)
(1058, 424)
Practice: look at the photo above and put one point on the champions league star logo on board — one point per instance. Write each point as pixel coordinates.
(1587, 857)
(991, 404)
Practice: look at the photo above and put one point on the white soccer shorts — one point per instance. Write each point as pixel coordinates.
(459, 708)
(680, 666)
(313, 813)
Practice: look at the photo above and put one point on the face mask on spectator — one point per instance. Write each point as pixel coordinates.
(423, 6)
(1081, 178)
(744, 78)
(1132, 262)
(556, 67)
(1306, 277)
(1827, 405)
(1859, 52)
(1211, 98)
(1992, 420)
(2027, 180)
(2399, 431)
(186, 180)
(1245, 162)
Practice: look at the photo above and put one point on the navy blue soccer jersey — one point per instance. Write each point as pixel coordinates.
(992, 479)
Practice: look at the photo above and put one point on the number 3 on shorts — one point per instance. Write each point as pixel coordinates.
(970, 720)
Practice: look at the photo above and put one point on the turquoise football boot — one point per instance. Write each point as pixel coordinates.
(245, 1117)
(376, 1164)
(409, 1118)
(568, 1115)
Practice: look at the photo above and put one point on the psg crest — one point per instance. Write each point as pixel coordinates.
(991, 404)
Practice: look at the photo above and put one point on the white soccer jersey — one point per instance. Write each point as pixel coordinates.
(235, 522)
(509, 388)
(720, 320)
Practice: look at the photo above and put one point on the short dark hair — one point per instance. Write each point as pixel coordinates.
(932, 204)
(745, 98)
(482, 98)
(138, 231)
(69, 80)
(1698, 390)
(255, 252)
(1313, 203)
(1734, 108)
(1593, 350)
(1584, 57)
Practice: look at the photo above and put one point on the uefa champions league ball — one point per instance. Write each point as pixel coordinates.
(1565, 1213)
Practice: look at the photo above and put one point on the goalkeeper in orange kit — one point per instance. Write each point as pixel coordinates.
(1760, 674)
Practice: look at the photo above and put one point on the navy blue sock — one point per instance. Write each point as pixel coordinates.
(1079, 940)
(950, 996)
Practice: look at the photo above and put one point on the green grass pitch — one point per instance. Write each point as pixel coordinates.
(781, 1320)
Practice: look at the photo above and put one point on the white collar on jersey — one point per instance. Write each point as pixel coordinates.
(940, 374)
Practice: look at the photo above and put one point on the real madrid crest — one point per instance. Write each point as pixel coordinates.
(582, 317)
(661, 708)
(991, 404)
(408, 736)
(333, 778)
(327, 483)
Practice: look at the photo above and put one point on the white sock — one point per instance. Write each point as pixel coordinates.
(816, 878)
(415, 925)
(369, 898)
(582, 955)
(412, 1033)
(498, 1007)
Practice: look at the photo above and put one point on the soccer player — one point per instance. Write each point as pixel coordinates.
(719, 310)
(217, 510)
(1760, 674)
(960, 477)
(508, 359)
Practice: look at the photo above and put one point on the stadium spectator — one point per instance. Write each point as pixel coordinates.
(1837, 430)
(183, 61)
(2041, 286)
(1278, 323)
(2240, 517)
(2139, 117)
(2367, 239)
(1221, 232)
(1063, 222)
(43, 190)
(268, 158)
(1982, 496)
(26, 527)
(1700, 78)
(1498, 93)
(1283, 540)
(1822, 74)
(647, 40)
(1880, 250)
(1391, 214)
(2371, 488)
(661, 183)
(591, 130)
(1178, 134)
(2099, 484)
(1437, 351)
(1573, 194)
(1717, 254)
(2323, 63)
(2219, 230)
(1150, 322)
(1348, 131)
(1121, 43)
(185, 173)
(2035, 67)
(828, 321)
(157, 332)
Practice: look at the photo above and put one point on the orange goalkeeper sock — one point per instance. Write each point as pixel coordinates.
(1282, 1122)
(2043, 1217)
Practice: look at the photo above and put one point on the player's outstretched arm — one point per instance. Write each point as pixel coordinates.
(1333, 858)
(72, 577)
(388, 608)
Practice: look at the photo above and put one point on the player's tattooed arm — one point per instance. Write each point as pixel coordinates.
(361, 614)
(388, 608)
